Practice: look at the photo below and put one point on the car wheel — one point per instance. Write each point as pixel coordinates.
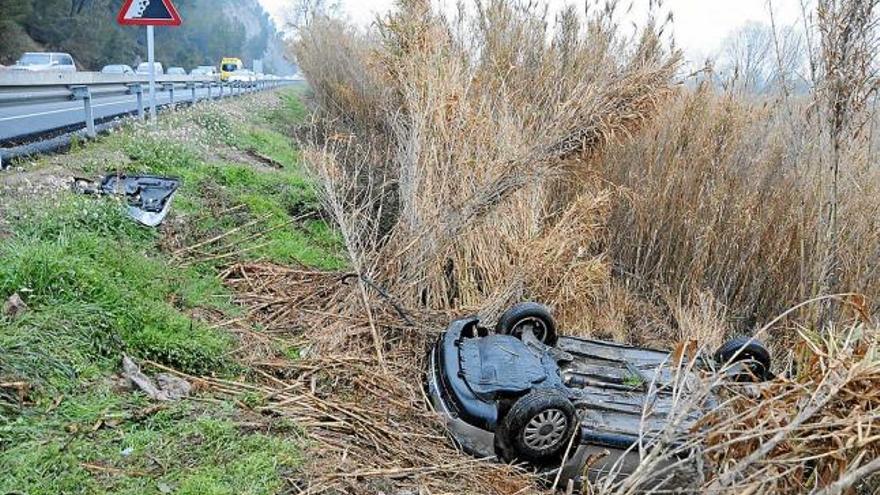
(748, 351)
(537, 429)
(528, 315)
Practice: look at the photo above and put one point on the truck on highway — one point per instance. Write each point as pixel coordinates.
(229, 66)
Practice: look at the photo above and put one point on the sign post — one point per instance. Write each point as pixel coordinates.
(151, 58)
(149, 13)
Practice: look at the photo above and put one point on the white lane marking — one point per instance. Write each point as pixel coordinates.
(63, 110)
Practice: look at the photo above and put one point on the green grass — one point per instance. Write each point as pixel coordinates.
(185, 448)
(278, 196)
(289, 114)
(634, 381)
(98, 285)
(96, 282)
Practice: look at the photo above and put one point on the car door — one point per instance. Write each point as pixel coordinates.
(67, 64)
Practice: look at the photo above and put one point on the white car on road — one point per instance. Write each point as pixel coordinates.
(144, 69)
(243, 77)
(45, 61)
(206, 70)
(122, 69)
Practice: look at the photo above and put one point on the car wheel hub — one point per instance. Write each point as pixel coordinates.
(546, 429)
(539, 330)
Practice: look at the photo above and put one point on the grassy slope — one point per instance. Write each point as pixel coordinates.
(98, 286)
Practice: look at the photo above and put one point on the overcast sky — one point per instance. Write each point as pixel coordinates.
(699, 25)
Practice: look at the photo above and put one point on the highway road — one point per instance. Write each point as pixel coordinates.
(27, 119)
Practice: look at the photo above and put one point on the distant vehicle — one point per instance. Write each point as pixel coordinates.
(43, 62)
(122, 69)
(243, 77)
(144, 69)
(204, 70)
(176, 71)
(229, 66)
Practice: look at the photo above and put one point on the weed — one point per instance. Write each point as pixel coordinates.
(290, 114)
(634, 381)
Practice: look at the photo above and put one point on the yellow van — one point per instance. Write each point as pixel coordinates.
(229, 66)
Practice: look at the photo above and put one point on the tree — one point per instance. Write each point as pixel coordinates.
(301, 12)
(86, 29)
(756, 59)
(16, 10)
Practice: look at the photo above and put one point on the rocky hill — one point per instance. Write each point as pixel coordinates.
(87, 29)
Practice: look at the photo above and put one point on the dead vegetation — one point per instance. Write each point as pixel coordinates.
(466, 147)
(367, 420)
(474, 161)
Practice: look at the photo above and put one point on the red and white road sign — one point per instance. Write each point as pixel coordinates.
(148, 13)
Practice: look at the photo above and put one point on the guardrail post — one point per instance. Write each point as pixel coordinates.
(83, 93)
(192, 87)
(138, 90)
(170, 88)
(221, 91)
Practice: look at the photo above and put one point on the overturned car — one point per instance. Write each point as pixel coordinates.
(566, 406)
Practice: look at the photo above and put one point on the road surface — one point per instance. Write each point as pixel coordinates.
(28, 119)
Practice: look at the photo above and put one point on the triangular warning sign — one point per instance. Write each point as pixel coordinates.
(148, 13)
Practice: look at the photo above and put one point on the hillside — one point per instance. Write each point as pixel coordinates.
(87, 29)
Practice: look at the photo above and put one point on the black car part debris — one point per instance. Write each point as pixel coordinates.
(148, 197)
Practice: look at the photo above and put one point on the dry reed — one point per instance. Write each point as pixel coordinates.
(476, 160)
(473, 134)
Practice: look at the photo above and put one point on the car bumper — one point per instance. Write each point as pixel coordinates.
(473, 440)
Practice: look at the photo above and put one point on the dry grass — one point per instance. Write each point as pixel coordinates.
(369, 422)
(812, 432)
(473, 161)
(473, 136)
(725, 196)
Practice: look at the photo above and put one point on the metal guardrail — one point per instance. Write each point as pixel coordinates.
(23, 88)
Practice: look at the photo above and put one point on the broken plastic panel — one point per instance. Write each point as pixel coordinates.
(149, 197)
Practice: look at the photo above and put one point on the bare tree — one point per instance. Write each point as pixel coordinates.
(745, 56)
(758, 58)
(301, 13)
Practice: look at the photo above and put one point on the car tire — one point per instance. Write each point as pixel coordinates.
(538, 316)
(537, 429)
(745, 349)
